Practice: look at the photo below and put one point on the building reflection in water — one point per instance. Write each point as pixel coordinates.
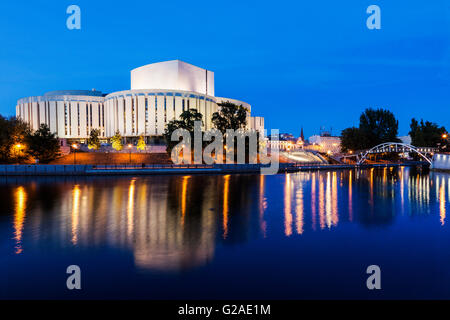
(441, 198)
(175, 222)
(287, 206)
(299, 210)
(350, 195)
(226, 191)
(183, 198)
(20, 198)
(167, 223)
(313, 200)
(75, 212)
(262, 205)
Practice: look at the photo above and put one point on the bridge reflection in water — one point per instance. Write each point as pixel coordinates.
(171, 223)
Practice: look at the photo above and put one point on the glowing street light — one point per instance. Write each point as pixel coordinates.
(129, 148)
(74, 147)
(444, 136)
(17, 148)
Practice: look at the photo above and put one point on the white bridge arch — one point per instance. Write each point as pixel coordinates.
(395, 147)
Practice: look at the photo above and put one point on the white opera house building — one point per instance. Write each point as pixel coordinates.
(159, 93)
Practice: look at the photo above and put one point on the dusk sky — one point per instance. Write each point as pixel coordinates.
(298, 63)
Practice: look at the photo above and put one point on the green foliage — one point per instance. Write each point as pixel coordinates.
(116, 141)
(43, 144)
(427, 134)
(13, 133)
(351, 139)
(141, 143)
(187, 119)
(94, 140)
(376, 126)
(230, 116)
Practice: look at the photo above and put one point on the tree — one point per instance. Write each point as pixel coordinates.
(230, 116)
(378, 126)
(187, 119)
(94, 141)
(375, 127)
(13, 132)
(116, 141)
(43, 144)
(427, 134)
(351, 139)
(141, 143)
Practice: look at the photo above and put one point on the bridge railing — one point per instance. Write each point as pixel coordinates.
(396, 147)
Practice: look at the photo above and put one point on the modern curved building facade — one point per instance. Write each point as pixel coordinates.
(159, 93)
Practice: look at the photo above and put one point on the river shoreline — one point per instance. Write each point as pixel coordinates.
(107, 170)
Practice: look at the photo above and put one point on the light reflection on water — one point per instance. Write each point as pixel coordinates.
(173, 223)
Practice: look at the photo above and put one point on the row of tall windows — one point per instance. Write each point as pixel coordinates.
(163, 118)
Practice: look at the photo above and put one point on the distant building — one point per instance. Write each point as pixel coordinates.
(325, 143)
(284, 142)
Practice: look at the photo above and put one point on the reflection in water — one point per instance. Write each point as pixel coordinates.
(175, 222)
(350, 194)
(226, 190)
(75, 212)
(334, 199)
(442, 201)
(287, 206)
(299, 208)
(328, 200)
(321, 203)
(183, 198)
(20, 197)
(313, 200)
(262, 205)
(130, 208)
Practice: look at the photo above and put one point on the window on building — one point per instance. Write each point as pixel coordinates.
(146, 114)
(124, 117)
(132, 115)
(165, 109)
(78, 119)
(65, 118)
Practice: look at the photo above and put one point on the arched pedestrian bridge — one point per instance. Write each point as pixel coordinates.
(397, 147)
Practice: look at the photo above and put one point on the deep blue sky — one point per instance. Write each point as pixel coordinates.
(299, 63)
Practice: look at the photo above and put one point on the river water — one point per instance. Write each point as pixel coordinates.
(306, 235)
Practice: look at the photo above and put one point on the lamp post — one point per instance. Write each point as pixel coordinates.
(74, 147)
(129, 148)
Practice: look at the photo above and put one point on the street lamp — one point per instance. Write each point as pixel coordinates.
(17, 149)
(129, 148)
(444, 136)
(74, 147)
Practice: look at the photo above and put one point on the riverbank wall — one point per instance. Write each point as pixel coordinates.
(108, 170)
(441, 162)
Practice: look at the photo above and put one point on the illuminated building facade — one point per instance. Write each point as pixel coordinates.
(159, 93)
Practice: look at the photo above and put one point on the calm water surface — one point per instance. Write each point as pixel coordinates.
(288, 236)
